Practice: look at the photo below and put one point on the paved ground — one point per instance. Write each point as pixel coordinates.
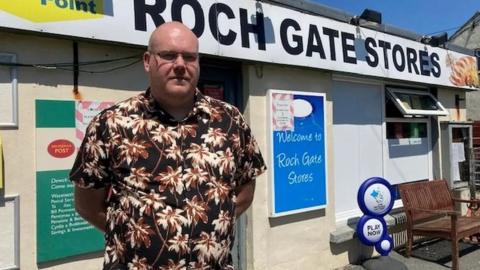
(435, 255)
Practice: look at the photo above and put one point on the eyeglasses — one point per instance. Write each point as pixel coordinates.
(172, 56)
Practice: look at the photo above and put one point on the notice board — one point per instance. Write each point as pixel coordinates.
(297, 148)
(60, 127)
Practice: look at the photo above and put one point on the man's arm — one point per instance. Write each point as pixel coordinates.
(90, 204)
(244, 197)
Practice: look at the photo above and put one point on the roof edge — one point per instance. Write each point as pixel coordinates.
(314, 8)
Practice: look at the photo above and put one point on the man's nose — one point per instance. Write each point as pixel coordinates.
(179, 60)
(179, 65)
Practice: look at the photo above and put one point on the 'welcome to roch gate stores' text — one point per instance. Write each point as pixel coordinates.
(320, 42)
(291, 161)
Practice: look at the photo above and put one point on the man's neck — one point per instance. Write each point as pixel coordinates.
(181, 113)
(178, 108)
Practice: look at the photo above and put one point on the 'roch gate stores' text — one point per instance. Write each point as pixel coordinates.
(319, 42)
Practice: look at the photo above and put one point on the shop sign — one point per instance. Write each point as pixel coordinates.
(61, 148)
(375, 199)
(251, 30)
(42, 11)
(298, 172)
(60, 128)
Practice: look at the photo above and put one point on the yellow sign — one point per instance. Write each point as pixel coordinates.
(54, 10)
(1, 164)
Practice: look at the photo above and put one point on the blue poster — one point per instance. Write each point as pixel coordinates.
(298, 156)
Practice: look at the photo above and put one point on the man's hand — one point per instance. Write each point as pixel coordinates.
(90, 204)
(244, 197)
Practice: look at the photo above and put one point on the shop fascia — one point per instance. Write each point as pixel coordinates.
(297, 38)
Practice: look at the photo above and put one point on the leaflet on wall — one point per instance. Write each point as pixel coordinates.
(60, 127)
(84, 112)
(297, 150)
(282, 111)
(457, 155)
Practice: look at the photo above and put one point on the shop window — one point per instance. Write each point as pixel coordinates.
(407, 135)
(406, 130)
(391, 110)
(415, 103)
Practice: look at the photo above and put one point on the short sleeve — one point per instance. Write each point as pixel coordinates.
(251, 163)
(91, 166)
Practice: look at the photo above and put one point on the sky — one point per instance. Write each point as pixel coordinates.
(424, 17)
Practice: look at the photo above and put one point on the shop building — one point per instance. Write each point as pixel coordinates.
(377, 101)
(468, 36)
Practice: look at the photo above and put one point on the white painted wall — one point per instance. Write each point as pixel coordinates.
(34, 83)
(473, 105)
(298, 241)
(357, 141)
(447, 97)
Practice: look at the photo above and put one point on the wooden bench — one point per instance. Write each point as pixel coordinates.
(430, 210)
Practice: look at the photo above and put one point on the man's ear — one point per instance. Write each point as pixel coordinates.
(146, 61)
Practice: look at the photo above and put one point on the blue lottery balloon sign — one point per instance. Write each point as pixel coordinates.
(375, 199)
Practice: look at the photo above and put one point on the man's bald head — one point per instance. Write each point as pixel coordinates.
(171, 29)
(173, 67)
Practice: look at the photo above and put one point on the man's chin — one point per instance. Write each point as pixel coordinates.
(180, 90)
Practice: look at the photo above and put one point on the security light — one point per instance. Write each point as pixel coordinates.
(368, 15)
(436, 40)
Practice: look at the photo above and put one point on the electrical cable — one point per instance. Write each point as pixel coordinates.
(66, 65)
(102, 71)
(445, 30)
(471, 26)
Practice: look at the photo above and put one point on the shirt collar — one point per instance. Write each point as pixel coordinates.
(201, 104)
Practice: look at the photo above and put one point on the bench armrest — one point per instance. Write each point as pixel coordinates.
(476, 201)
(438, 212)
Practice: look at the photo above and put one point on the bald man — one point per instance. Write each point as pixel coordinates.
(166, 173)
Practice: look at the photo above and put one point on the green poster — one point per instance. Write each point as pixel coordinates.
(55, 113)
(61, 232)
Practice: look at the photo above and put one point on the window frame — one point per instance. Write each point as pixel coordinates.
(13, 121)
(14, 200)
(411, 112)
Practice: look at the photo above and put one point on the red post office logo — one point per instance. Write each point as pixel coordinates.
(61, 148)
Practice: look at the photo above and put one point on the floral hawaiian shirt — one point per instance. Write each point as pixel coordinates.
(172, 183)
